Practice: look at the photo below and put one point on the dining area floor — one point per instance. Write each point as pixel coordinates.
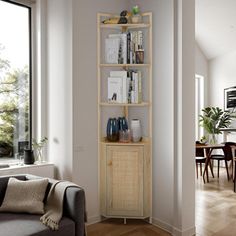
(215, 206)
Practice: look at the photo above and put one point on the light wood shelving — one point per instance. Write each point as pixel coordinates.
(124, 65)
(142, 104)
(125, 169)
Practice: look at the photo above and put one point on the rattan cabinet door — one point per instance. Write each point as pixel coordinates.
(125, 178)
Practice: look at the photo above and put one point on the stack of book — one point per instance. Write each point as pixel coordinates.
(125, 87)
(121, 48)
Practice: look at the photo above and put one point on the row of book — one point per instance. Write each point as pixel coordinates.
(125, 86)
(122, 48)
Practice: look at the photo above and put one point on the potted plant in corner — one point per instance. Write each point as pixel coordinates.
(213, 120)
(38, 148)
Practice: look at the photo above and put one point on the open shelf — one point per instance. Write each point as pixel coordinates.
(130, 26)
(145, 141)
(124, 65)
(142, 104)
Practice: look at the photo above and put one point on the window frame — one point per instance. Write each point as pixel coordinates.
(29, 7)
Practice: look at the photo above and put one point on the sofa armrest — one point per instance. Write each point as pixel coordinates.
(74, 208)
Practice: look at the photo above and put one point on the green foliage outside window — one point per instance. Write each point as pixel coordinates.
(14, 97)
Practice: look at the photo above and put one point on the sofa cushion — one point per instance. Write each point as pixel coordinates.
(28, 224)
(25, 196)
(3, 185)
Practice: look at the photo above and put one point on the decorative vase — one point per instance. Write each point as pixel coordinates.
(112, 130)
(212, 139)
(122, 123)
(135, 127)
(28, 157)
(38, 155)
(135, 19)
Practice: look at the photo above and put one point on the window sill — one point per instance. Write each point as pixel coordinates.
(9, 161)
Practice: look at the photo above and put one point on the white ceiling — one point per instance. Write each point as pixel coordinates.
(216, 26)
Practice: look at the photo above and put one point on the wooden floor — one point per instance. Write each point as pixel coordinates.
(215, 207)
(215, 214)
(116, 227)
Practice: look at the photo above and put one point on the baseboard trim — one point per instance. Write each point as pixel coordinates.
(94, 219)
(172, 230)
(163, 225)
(187, 232)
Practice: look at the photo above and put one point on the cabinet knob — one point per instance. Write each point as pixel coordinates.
(110, 163)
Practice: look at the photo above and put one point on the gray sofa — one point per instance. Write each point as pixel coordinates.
(71, 224)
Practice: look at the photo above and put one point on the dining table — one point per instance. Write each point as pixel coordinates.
(208, 150)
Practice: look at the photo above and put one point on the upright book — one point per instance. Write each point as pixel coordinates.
(122, 74)
(115, 90)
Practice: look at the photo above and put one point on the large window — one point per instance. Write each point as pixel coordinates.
(15, 78)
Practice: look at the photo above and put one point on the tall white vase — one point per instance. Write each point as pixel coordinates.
(135, 127)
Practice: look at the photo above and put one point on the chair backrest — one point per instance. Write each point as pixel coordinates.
(228, 150)
(199, 151)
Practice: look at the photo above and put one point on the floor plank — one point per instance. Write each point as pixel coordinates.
(215, 206)
(116, 227)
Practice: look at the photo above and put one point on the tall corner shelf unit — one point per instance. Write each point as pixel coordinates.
(125, 169)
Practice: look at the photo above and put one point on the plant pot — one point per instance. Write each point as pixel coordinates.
(135, 19)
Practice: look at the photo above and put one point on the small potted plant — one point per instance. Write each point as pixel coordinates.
(136, 17)
(38, 148)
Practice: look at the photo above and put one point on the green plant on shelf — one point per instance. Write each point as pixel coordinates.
(38, 148)
(136, 17)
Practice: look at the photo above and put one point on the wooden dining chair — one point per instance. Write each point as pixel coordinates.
(200, 159)
(226, 157)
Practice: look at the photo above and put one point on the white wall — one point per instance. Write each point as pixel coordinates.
(222, 72)
(85, 159)
(184, 96)
(59, 82)
(163, 108)
(201, 62)
(201, 68)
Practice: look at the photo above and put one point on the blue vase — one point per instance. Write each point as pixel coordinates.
(112, 130)
(122, 123)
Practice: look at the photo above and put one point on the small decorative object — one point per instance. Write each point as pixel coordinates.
(28, 156)
(113, 20)
(124, 136)
(136, 17)
(135, 130)
(38, 148)
(112, 130)
(140, 56)
(203, 140)
(213, 120)
(124, 15)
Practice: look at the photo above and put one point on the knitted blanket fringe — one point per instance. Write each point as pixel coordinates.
(50, 223)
